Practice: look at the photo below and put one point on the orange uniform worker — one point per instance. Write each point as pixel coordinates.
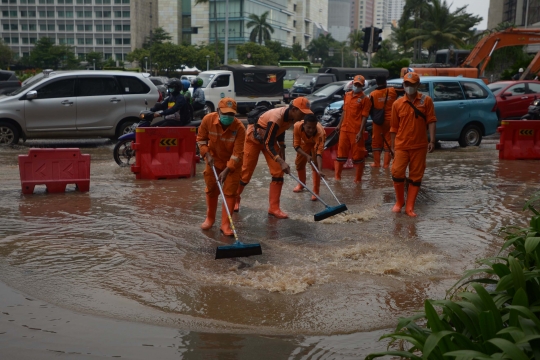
(221, 143)
(356, 107)
(268, 136)
(382, 97)
(309, 138)
(411, 115)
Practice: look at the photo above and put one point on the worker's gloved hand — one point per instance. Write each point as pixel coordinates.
(209, 159)
(223, 175)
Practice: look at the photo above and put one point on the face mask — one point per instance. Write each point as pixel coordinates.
(410, 90)
(226, 119)
(356, 89)
(171, 90)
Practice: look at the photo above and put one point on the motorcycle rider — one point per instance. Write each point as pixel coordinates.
(199, 100)
(185, 90)
(176, 107)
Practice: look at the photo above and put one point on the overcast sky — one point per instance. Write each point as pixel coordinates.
(476, 7)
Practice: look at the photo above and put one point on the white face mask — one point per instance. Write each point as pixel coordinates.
(410, 90)
(356, 89)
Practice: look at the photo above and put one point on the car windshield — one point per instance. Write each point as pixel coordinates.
(206, 79)
(293, 73)
(304, 81)
(30, 83)
(328, 90)
(496, 88)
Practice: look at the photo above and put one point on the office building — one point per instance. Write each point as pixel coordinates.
(514, 12)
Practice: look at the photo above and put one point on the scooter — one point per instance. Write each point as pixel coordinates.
(534, 111)
(123, 153)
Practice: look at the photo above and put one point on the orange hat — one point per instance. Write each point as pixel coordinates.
(303, 104)
(359, 79)
(227, 105)
(411, 77)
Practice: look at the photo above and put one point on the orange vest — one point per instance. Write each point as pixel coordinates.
(355, 107)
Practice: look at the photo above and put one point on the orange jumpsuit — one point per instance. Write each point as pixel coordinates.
(314, 146)
(268, 135)
(355, 107)
(227, 149)
(378, 97)
(411, 140)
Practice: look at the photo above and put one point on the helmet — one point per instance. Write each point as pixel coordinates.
(185, 85)
(197, 82)
(175, 84)
(348, 86)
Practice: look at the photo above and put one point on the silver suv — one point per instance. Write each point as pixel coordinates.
(75, 104)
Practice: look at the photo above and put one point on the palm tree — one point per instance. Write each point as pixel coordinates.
(261, 29)
(197, 2)
(356, 38)
(417, 10)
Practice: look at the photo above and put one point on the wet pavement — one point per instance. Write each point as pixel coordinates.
(132, 250)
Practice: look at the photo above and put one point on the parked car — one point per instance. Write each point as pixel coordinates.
(514, 97)
(76, 104)
(326, 95)
(309, 83)
(465, 107)
(9, 82)
(161, 84)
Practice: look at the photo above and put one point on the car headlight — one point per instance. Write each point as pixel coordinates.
(331, 111)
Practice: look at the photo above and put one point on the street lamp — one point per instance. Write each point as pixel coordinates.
(146, 66)
(355, 53)
(207, 62)
(94, 60)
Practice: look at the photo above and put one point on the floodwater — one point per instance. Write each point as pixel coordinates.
(133, 250)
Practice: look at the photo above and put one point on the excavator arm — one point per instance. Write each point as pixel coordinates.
(533, 68)
(510, 37)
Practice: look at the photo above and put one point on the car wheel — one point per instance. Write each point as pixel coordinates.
(470, 136)
(210, 107)
(9, 135)
(124, 128)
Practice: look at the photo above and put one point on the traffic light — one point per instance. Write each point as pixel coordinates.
(377, 39)
(367, 38)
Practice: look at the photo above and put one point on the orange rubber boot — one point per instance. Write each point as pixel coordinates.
(338, 168)
(274, 195)
(399, 187)
(211, 207)
(302, 178)
(359, 172)
(225, 223)
(376, 159)
(411, 199)
(386, 160)
(316, 185)
(238, 198)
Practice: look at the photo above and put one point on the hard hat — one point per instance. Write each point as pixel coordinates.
(520, 70)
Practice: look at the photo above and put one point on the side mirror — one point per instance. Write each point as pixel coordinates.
(31, 95)
(505, 95)
(213, 85)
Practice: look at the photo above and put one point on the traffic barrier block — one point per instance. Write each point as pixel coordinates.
(54, 168)
(330, 154)
(164, 152)
(520, 140)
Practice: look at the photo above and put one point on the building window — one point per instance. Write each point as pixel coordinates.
(294, 7)
(117, 27)
(118, 41)
(107, 41)
(108, 56)
(119, 56)
(33, 40)
(81, 56)
(61, 27)
(126, 27)
(61, 14)
(294, 23)
(25, 41)
(99, 14)
(107, 27)
(106, 14)
(125, 14)
(7, 40)
(99, 27)
(70, 41)
(69, 14)
(6, 26)
(99, 41)
(117, 14)
(62, 41)
(127, 41)
(89, 41)
(14, 40)
(80, 41)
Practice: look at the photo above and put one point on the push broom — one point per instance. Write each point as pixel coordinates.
(238, 249)
(325, 183)
(329, 211)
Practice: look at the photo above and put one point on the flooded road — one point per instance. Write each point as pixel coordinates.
(133, 250)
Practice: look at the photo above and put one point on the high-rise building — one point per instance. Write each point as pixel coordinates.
(394, 10)
(340, 19)
(514, 12)
(363, 10)
(105, 26)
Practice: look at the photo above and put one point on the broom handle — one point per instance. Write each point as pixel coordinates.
(328, 186)
(389, 148)
(225, 203)
(312, 193)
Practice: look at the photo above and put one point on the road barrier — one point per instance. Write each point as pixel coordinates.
(54, 168)
(164, 152)
(520, 140)
(330, 154)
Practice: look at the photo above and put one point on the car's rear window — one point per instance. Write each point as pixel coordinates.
(132, 85)
(6, 75)
(156, 81)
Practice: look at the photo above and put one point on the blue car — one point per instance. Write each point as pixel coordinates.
(465, 107)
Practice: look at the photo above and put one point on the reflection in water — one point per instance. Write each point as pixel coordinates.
(134, 250)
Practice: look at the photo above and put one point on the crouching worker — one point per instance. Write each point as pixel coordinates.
(221, 143)
(411, 116)
(309, 138)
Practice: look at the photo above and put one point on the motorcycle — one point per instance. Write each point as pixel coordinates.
(123, 153)
(533, 112)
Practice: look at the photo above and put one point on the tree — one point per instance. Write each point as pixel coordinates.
(168, 56)
(319, 48)
(255, 54)
(197, 2)
(48, 55)
(385, 54)
(159, 36)
(415, 9)
(401, 37)
(283, 53)
(356, 39)
(139, 55)
(261, 28)
(298, 53)
(6, 55)
(95, 56)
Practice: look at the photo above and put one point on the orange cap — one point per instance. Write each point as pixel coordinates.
(411, 77)
(359, 79)
(303, 104)
(227, 105)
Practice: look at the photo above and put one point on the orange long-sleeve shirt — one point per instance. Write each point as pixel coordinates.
(300, 138)
(411, 131)
(379, 96)
(355, 106)
(226, 147)
(271, 127)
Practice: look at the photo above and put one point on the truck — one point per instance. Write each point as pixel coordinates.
(475, 63)
(248, 85)
(293, 70)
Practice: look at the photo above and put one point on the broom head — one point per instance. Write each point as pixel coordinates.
(330, 211)
(238, 249)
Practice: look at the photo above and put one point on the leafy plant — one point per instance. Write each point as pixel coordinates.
(495, 316)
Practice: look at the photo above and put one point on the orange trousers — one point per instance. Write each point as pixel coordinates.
(415, 160)
(377, 143)
(229, 186)
(301, 163)
(347, 140)
(252, 149)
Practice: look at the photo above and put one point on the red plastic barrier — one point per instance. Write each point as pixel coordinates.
(330, 154)
(164, 152)
(520, 140)
(54, 168)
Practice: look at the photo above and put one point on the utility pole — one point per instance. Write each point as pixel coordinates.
(370, 49)
(342, 56)
(150, 40)
(526, 14)
(225, 62)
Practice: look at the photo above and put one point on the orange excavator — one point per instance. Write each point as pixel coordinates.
(475, 64)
